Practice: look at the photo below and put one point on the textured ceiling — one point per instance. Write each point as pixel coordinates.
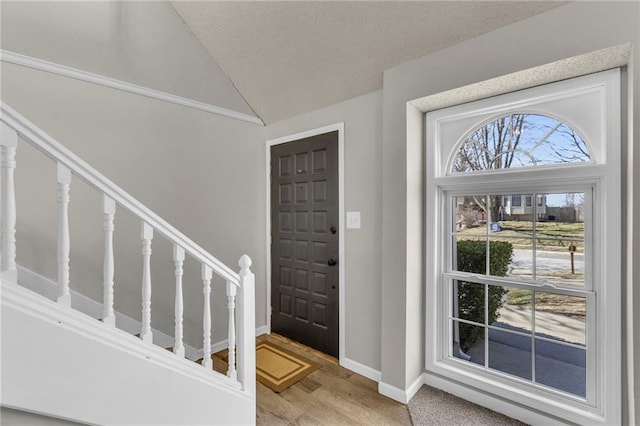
(287, 58)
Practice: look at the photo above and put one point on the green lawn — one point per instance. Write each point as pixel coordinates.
(519, 233)
(549, 302)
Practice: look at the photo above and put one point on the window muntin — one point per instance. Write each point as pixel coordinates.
(520, 140)
(521, 340)
(548, 240)
(519, 302)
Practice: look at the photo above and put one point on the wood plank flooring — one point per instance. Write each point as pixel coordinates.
(331, 395)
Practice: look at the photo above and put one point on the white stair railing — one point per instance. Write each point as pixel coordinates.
(240, 286)
(206, 317)
(108, 214)
(178, 260)
(64, 241)
(8, 225)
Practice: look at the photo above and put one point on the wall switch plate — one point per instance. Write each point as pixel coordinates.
(353, 220)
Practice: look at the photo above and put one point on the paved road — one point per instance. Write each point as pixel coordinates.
(546, 261)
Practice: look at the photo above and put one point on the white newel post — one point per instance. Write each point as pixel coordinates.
(246, 330)
(8, 145)
(146, 235)
(108, 213)
(64, 244)
(206, 317)
(231, 298)
(178, 260)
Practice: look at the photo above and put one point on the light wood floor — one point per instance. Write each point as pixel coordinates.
(331, 395)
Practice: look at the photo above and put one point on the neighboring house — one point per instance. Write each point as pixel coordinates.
(511, 207)
(521, 206)
(200, 162)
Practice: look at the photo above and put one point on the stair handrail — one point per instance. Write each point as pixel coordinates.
(57, 152)
(240, 287)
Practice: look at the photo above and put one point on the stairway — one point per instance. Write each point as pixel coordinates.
(60, 362)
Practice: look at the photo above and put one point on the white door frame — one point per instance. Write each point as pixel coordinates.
(339, 127)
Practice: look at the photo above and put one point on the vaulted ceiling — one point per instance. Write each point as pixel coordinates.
(287, 58)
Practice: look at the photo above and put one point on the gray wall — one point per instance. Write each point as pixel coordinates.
(564, 32)
(201, 172)
(144, 43)
(362, 140)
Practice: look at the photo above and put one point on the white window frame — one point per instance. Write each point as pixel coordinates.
(591, 106)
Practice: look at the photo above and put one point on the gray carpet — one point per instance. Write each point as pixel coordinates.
(433, 407)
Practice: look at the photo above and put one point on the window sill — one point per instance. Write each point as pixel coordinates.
(517, 400)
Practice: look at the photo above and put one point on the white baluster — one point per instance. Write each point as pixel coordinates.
(109, 211)
(206, 316)
(178, 260)
(64, 244)
(146, 235)
(8, 145)
(246, 328)
(231, 298)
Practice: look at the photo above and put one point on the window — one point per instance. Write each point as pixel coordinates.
(512, 289)
(518, 296)
(520, 140)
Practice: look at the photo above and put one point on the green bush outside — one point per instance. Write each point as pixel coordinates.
(472, 257)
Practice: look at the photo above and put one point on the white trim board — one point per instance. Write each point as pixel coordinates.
(65, 71)
(339, 127)
(263, 329)
(361, 369)
(400, 395)
(224, 344)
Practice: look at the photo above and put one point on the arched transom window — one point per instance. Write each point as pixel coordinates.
(520, 140)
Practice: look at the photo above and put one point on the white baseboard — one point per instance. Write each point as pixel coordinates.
(400, 395)
(415, 387)
(49, 289)
(224, 344)
(392, 392)
(361, 369)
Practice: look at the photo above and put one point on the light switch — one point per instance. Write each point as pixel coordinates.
(353, 220)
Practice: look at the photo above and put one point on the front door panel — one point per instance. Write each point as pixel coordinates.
(304, 241)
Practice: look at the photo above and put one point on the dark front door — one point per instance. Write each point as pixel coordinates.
(304, 241)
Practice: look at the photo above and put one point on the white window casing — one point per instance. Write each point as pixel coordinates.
(591, 106)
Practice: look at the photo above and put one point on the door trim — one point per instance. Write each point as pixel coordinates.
(339, 127)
